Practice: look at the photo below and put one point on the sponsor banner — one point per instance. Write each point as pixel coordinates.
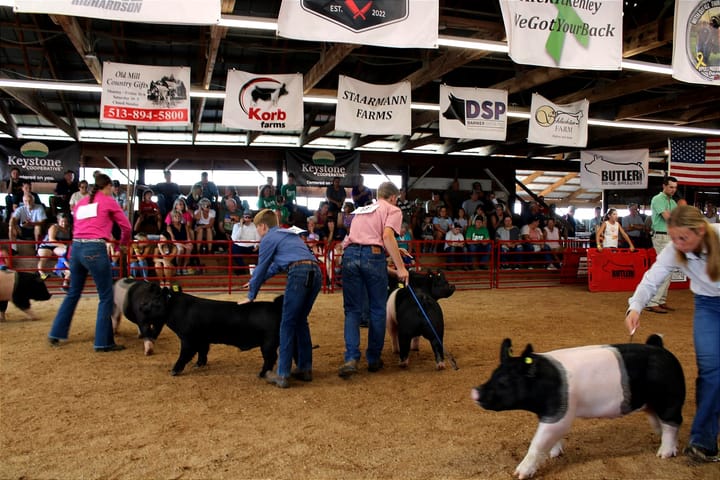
(146, 11)
(263, 102)
(373, 109)
(145, 95)
(38, 161)
(614, 169)
(318, 168)
(552, 124)
(473, 113)
(582, 34)
(695, 161)
(696, 42)
(385, 23)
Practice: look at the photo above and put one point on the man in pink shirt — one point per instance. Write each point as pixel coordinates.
(364, 273)
(94, 217)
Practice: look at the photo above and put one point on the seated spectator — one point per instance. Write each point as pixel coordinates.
(335, 196)
(404, 240)
(80, 194)
(462, 219)
(55, 242)
(552, 242)
(13, 189)
(180, 206)
(245, 240)
(508, 236)
(141, 250)
(181, 236)
(455, 246)
(148, 217)
(324, 223)
(361, 195)
(312, 237)
(194, 197)
(64, 189)
(230, 214)
(534, 244)
(204, 222)
(25, 189)
(433, 205)
(478, 242)
(266, 199)
(442, 224)
(163, 258)
(114, 255)
(27, 221)
(120, 197)
(427, 233)
(344, 220)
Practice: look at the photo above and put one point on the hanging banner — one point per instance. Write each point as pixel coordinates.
(695, 161)
(318, 168)
(614, 169)
(565, 34)
(373, 109)
(38, 161)
(145, 11)
(552, 124)
(473, 113)
(145, 95)
(385, 23)
(263, 102)
(696, 42)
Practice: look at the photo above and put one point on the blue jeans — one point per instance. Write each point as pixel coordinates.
(706, 333)
(87, 257)
(294, 330)
(364, 275)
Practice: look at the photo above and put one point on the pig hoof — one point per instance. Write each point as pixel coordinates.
(440, 366)
(667, 452)
(174, 373)
(149, 347)
(2, 317)
(403, 364)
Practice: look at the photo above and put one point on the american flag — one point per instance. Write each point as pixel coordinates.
(695, 161)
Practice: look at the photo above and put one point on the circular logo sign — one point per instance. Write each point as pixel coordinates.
(702, 40)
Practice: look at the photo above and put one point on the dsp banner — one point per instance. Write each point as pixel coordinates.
(385, 23)
(373, 109)
(473, 113)
(614, 169)
(581, 34)
(146, 11)
(145, 95)
(318, 168)
(38, 161)
(263, 102)
(696, 38)
(552, 124)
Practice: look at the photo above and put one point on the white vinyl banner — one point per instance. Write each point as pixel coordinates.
(263, 102)
(614, 169)
(145, 95)
(552, 124)
(696, 58)
(373, 109)
(385, 23)
(583, 34)
(473, 113)
(188, 12)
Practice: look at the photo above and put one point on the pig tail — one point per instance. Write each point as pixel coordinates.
(101, 181)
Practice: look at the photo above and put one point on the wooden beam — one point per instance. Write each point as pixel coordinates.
(648, 37)
(329, 59)
(81, 42)
(133, 132)
(402, 143)
(9, 127)
(443, 64)
(559, 183)
(674, 101)
(621, 87)
(532, 78)
(529, 179)
(252, 136)
(319, 132)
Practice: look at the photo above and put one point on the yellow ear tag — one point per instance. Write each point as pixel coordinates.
(528, 360)
(400, 285)
(175, 288)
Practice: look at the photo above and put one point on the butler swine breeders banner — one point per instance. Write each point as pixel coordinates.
(263, 102)
(614, 169)
(583, 34)
(473, 113)
(373, 109)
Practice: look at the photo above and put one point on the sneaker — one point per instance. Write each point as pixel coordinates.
(551, 267)
(375, 366)
(43, 276)
(304, 375)
(278, 381)
(54, 342)
(348, 369)
(701, 454)
(111, 348)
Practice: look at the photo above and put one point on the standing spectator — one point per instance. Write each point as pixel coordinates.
(194, 197)
(478, 236)
(167, 192)
(289, 191)
(209, 189)
(406, 207)
(570, 223)
(433, 205)
(282, 250)
(552, 242)
(634, 225)
(13, 189)
(610, 231)
(120, 196)
(471, 204)
(204, 225)
(81, 193)
(27, 221)
(266, 199)
(64, 189)
(595, 223)
(94, 217)
(364, 274)
(711, 213)
(662, 205)
(335, 195)
(245, 240)
(361, 195)
(268, 184)
(453, 197)
(695, 250)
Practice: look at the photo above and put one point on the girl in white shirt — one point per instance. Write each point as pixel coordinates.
(607, 234)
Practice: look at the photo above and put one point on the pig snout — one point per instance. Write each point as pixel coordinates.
(149, 347)
(475, 395)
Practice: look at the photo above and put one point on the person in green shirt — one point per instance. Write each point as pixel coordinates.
(478, 242)
(289, 191)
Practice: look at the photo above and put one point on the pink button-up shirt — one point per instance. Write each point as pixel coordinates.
(367, 228)
(95, 220)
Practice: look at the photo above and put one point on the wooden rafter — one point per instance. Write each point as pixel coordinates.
(319, 132)
(559, 183)
(328, 60)
(33, 102)
(83, 45)
(9, 127)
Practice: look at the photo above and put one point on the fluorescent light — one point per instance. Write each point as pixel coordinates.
(7, 3)
(46, 85)
(473, 44)
(654, 127)
(249, 23)
(199, 93)
(322, 99)
(646, 67)
(425, 106)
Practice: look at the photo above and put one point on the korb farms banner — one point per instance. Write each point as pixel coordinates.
(318, 168)
(552, 124)
(696, 42)
(373, 109)
(39, 162)
(263, 102)
(385, 23)
(614, 169)
(583, 34)
(473, 113)
(147, 11)
(145, 95)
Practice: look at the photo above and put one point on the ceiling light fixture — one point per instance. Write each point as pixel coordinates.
(249, 23)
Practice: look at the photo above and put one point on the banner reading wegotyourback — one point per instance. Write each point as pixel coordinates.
(38, 162)
(583, 34)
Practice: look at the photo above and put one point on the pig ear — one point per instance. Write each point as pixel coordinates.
(505, 350)
(528, 350)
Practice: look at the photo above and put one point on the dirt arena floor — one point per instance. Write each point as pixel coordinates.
(71, 413)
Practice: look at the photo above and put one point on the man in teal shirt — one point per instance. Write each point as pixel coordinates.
(661, 205)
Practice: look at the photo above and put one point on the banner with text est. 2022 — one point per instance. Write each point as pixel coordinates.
(696, 42)
(144, 11)
(145, 95)
(552, 124)
(614, 169)
(565, 34)
(372, 109)
(479, 113)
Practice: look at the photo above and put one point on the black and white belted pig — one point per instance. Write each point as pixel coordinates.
(20, 288)
(600, 381)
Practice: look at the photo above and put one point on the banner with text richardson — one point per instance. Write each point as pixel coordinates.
(614, 169)
(552, 124)
(263, 102)
(578, 34)
(39, 161)
(143, 11)
(145, 95)
(473, 113)
(696, 42)
(317, 168)
(384, 23)
(373, 109)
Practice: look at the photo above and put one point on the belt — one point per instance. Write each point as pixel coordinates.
(661, 233)
(365, 246)
(89, 240)
(302, 262)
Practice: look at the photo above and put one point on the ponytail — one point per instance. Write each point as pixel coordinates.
(101, 181)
